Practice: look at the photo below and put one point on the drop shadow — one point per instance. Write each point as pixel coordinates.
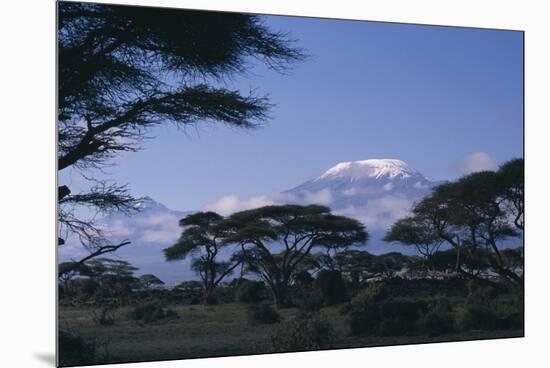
(46, 358)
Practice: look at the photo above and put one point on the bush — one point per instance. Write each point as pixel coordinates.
(364, 318)
(74, 350)
(151, 312)
(303, 279)
(85, 286)
(481, 294)
(374, 293)
(262, 313)
(399, 317)
(308, 300)
(332, 285)
(510, 321)
(439, 319)
(372, 313)
(478, 317)
(345, 309)
(105, 317)
(509, 308)
(364, 310)
(436, 322)
(312, 332)
(250, 291)
(440, 304)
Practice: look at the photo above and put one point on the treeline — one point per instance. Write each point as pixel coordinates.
(468, 229)
(475, 216)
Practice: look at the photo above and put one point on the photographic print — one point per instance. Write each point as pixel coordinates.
(236, 184)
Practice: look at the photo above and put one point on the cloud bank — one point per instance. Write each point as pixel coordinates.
(477, 161)
(229, 204)
(376, 213)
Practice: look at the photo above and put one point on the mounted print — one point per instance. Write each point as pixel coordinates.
(235, 184)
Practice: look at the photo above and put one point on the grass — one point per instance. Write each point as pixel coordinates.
(220, 330)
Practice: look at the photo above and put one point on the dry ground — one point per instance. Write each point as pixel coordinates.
(220, 330)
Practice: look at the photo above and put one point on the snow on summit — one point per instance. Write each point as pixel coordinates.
(370, 168)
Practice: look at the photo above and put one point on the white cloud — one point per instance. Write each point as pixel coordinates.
(477, 161)
(117, 228)
(350, 192)
(159, 219)
(322, 197)
(419, 185)
(380, 213)
(229, 204)
(160, 235)
(160, 228)
(376, 214)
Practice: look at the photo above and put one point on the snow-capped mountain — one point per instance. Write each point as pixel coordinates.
(356, 183)
(377, 192)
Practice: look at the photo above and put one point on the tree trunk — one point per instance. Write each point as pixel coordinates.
(280, 295)
(207, 295)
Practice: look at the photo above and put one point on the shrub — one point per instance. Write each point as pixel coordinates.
(371, 313)
(210, 300)
(311, 332)
(332, 285)
(308, 300)
(478, 317)
(374, 293)
(151, 312)
(364, 318)
(104, 318)
(440, 304)
(345, 309)
(303, 279)
(262, 313)
(250, 291)
(481, 294)
(74, 350)
(439, 319)
(509, 308)
(399, 317)
(437, 322)
(85, 286)
(364, 310)
(510, 321)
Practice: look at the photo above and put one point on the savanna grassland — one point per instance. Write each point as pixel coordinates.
(209, 331)
(232, 328)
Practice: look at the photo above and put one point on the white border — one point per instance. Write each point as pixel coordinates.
(28, 180)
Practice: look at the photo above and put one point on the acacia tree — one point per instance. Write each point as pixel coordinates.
(475, 214)
(275, 240)
(418, 232)
(511, 181)
(149, 281)
(123, 70)
(355, 265)
(115, 277)
(201, 238)
(359, 266)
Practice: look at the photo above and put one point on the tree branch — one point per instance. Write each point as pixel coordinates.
(100, 251)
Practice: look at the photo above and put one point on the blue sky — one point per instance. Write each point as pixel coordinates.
(429, 96)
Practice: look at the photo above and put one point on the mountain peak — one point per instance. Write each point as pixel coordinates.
(374, 168)
(148, 203)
